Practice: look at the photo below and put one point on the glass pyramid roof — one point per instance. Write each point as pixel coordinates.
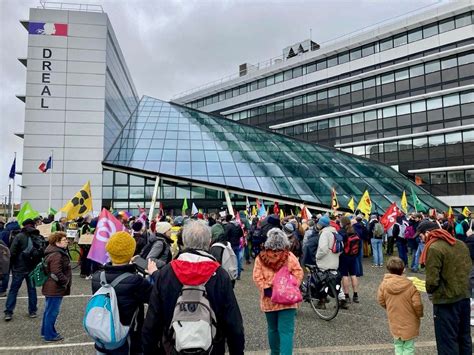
(169, 139)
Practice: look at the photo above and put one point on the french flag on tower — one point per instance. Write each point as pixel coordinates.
(45, 166)
(45, 28)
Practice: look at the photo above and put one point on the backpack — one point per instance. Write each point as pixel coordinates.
(409, 232)
(165, 255)
(193, 326)
(40, 273)
(102, 319)
(228, 259)
(34, 251)
(378, 230)
(4, 258)
(338, 246)
(459, 229)
(351, 247)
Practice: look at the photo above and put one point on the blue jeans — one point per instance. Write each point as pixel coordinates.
(237, 252)
(281, 328)
(4, 280)
(17, 280)
(402, 251)
(52, 306)
(421, 246)
(377, 250)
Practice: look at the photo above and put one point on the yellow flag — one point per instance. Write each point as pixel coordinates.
(80, 204)
(466, 212)
(404, 202)
(351, 204)
(365, 204)
(254, 211)
(282, 215)
(450, 213)
(334, 203)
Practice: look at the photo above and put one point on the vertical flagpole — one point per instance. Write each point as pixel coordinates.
(50, 182)
(13, 189)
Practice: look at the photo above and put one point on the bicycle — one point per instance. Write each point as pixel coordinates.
(318, 289)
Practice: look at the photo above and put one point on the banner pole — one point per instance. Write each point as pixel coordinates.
(13, 190)
(50, 182)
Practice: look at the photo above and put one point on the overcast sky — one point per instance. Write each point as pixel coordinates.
(173, 46)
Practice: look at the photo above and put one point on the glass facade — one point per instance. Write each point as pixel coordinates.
(175, 141)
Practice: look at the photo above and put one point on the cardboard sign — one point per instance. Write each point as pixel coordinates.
(86, 239)
(72, 234)
(45, 230)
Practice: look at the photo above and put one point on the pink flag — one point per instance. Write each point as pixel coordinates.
(106, 226)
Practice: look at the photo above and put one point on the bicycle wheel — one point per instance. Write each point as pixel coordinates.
(328, 307)
(75, 254)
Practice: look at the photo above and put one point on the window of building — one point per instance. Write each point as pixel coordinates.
(463, 20)
(298, 71)
(287, 75)
(455, 177)
(430, 30)
(387, 78)
(358, 117)
(370, 115)
(368, 50)
(451, 100)
(333, 92)
(332, 61)
(343, 58)
(418, 106)
(469, 175)
(311, 98)
(400, 40)
(417, 70)
(436, 140)
(345, 120)
(334, 122)
(368, 83)
(434, 103)
(310, 68)
(279, 78)
(389, 111)
(438, 178)
(403, 109)
(421, 142)
(468, 136)
(446, 25)
(270, 80)
(466, 59)
(467, 97)
(344, 89)
(322, 94)
(356, 53)
(321, 64)
(433, 66)
(405, 144)
(356, 86)
(453, 138)
(402, 75)
(415, 35)
(386, 44)
(449, 63)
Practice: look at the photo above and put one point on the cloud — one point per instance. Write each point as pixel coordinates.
(173, 46)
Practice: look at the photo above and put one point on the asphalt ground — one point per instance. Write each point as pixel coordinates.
(362, 329)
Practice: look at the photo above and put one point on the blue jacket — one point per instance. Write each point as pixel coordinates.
(5, 234)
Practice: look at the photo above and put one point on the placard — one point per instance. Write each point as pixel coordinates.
(86, 239)
(72, 233)
(45, 230)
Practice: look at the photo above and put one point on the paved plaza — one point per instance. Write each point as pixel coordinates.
(362, 329)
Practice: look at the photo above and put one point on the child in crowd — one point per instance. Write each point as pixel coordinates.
(402, 301)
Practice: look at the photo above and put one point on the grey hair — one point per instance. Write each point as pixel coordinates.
(277, 240)
(196, 235)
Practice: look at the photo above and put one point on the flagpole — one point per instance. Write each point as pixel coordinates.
(13, 190)
(50, 182)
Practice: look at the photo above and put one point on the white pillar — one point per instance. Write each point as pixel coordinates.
(229, 202)
(156, 191)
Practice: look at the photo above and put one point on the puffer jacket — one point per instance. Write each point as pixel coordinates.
(58, 265)
(18, 245)
(158, 249)
(325, 258)
(233, 233)
(193, 267)
(9, 228)
(402, 301)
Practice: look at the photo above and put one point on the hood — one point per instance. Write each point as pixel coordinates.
(12, 226)
(329, 229)
(395, 284)
(194, 267)
(154, 237)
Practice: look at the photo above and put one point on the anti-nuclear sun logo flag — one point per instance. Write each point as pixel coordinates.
(49, 29)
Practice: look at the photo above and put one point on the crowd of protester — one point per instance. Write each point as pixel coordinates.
(153, 260)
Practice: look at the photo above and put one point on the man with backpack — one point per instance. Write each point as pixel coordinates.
(130, 292)
(232, 233)
(158, 247)
(222, 251)
(378, 233)
(192, 307)
(27, 250)
(461, 227)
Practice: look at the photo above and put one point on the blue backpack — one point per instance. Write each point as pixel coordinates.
(459, 228)
(338, 246)
(102, 320)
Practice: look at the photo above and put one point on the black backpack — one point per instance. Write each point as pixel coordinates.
(34, 252)
(165, 255)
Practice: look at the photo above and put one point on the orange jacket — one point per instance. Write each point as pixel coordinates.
(263, 278)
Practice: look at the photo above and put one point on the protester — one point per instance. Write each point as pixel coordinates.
(448, 265)
(12, 228)
(348, 262)
(412, 243)
(158, 247)
(140, 236)
(363, 233)
(377, 234)
(402, 301)
(131, 293)
(461, 228)
(21, 267)
(280, 318)
(295, 245)
(58, 284)
(194, 266)
(310, 244)
(233, 233)
(398, 232)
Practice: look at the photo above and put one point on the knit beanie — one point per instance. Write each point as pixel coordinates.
(121, 247)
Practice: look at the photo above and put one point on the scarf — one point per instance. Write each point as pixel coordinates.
(274, 259)
(433, 236)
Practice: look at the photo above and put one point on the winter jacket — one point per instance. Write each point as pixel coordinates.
(158, 249)
(193, 267)
(131, 292)
(325, 258)
(402, 301)
(18, 245)
(361, 230)
(470, 245)
(5, 233)
(58, 266)
(233, 233)
(141, 241)
(310, 247)
(447, 271)
(263, 277)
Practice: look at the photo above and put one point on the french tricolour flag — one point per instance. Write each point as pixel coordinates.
(45, 166)
(45, 28)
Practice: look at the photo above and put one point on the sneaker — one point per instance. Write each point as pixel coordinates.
(8, 317)
(374, 265)
(355, 299)
(58, 338)
(33, 315)
(88, 277)
(380, 265)
(343, 304)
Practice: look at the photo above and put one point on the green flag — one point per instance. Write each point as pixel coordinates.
(52, 211)
(26, 212)
(416, 202)
(185, 205)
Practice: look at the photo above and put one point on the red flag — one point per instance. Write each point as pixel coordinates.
(305, 214)
(276, 208)
(258, 204)
(390, 216)
(106, 226)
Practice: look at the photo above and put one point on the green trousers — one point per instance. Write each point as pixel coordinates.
(281, 327)
(404, 347)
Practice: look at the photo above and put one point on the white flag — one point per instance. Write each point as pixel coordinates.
(194, 210)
